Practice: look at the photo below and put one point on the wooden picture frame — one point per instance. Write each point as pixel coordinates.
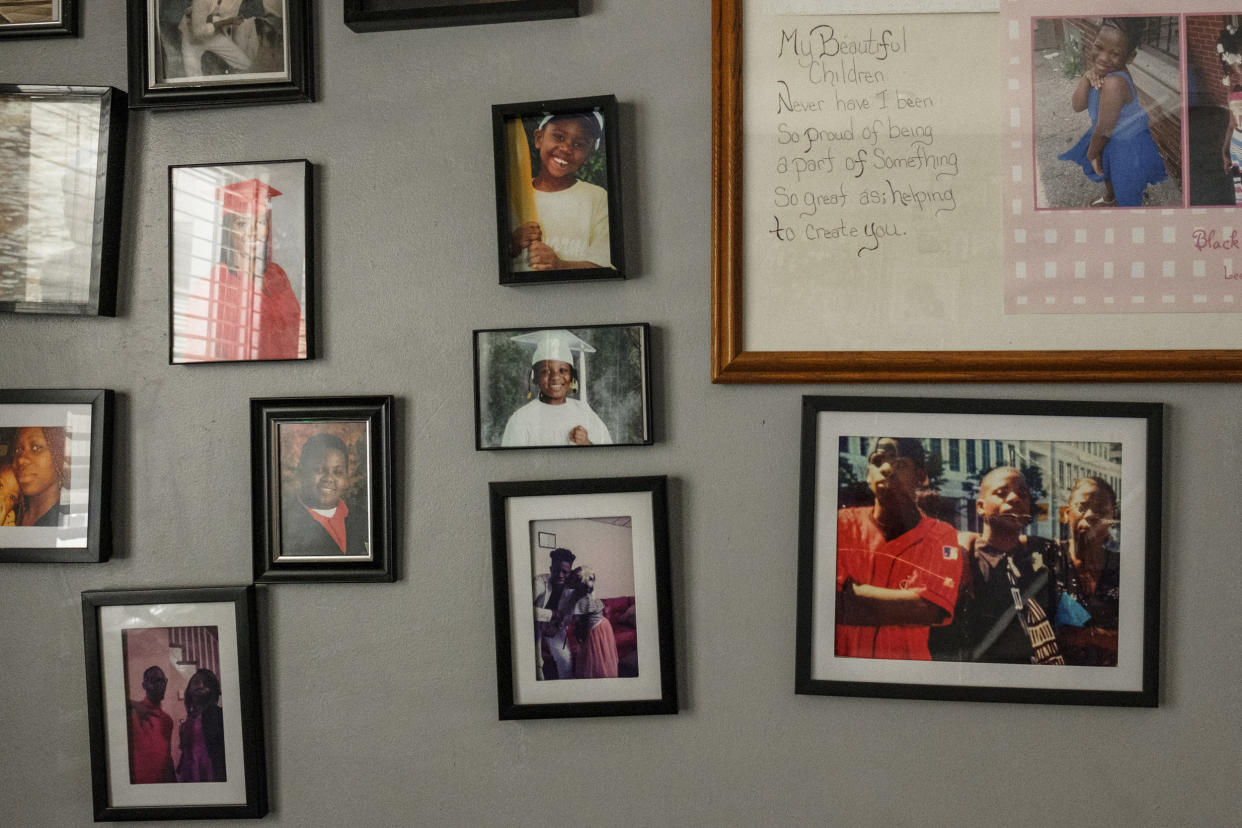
(609, 574)
(38, 18)
(56, 475)
(322, 489)
(194, 652)
(387, 15)
(177, 62)
(61, 208)
(732, 361)
(574, 210)
(911, 550)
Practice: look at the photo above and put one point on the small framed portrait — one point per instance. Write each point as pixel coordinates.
(172, 685)
(197, 53)
(322, 489)
(997, 550)
(62, 169)
(558, 190)
(584, 628)
(240, 264)
(557, 387)
(55, 476)
(38, 18)
(386, 15)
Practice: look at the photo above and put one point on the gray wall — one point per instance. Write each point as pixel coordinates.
(380, 699)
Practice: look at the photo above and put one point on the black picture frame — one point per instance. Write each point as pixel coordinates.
(643, 681)
(158, 46)
(212, 628)
(389, 15)
(1089, 646)
(513, 136)
(64, 24)
(510, 412)
(289, 545)
(83, 533)
(209, 299)
(89, 181)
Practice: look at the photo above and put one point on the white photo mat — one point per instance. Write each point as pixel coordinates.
(519, 513)
(1130, 432)
(113, 620)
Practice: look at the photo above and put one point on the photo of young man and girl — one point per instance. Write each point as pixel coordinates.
(1121, 78)
(172, 688)
(940, 556)
(584, 620)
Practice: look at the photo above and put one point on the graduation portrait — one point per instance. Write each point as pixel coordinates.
(562, 387)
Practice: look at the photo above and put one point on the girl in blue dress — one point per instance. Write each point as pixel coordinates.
(1118, 149)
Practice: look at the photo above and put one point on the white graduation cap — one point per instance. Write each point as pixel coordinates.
(559, 345)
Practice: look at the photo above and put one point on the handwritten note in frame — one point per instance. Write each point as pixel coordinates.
(857, 205)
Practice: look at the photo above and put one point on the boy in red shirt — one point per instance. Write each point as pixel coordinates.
(898, 571)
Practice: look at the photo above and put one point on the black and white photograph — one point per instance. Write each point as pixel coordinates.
(191, 53)
(563, 387)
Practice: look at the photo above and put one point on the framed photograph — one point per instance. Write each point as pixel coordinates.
(240, 262)
(38, 18)
(941, 228)
(196, 53)
(55, 476)
(172, 686)
(321, 476)
(999, 550)
(556, 387)
(62, 169)
(585, 628)
(386, 15)
(558, 190)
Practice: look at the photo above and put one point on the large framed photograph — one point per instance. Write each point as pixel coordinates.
(944, 227)
(55, 475)
(38, 18)
(196, 53)
(240, 262)
(172, 686)
(584, 628)
(322, 479)
(386, 15)
(62, 170)
(997, 550)
(556, 387)
(558, 190)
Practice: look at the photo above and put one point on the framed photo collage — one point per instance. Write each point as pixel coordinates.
(951, 549)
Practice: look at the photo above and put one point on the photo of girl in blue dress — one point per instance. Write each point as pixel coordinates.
(1124, 73)
(1118, 149)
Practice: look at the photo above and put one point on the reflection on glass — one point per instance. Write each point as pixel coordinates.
(50, 160)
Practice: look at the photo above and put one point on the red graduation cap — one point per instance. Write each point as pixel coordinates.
(246, 197)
